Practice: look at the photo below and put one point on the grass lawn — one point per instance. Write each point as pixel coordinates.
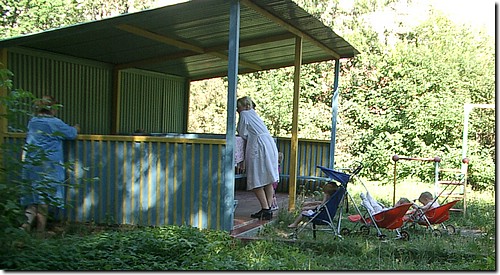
(471, 247)
(92, 247)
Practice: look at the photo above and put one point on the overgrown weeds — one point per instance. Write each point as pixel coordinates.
(102, 247)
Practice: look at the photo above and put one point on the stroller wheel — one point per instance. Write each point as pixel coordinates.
(365, 230)
(292, 236)
(436, 233)
(450, 229)
(382, 237)
(405, 236)
(345, 231)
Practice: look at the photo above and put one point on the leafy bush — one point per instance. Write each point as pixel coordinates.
(17, 104)
(11, 185)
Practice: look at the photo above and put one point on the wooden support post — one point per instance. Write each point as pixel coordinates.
(295, 141)
(115, 101)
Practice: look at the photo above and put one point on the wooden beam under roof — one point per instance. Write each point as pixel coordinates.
(177, 43)
(289, 27)
(160, 38)
(264, 68)
(211, 50)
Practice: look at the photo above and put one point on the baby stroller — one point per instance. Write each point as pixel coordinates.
(434, 216)
(392, 219)
(326, 212)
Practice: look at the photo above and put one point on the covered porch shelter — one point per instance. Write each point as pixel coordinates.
(133, 71)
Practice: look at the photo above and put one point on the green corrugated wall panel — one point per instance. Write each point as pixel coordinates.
(157, 181)
(146, 183)
(81, 86)
(150, 101)
(310, 154)
(153, 102)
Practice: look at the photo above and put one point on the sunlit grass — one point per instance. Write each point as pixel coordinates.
(472, 247)
(92, 247)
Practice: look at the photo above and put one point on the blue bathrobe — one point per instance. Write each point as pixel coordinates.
(45, 138)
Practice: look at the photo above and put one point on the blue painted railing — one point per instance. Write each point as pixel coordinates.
(162, 179)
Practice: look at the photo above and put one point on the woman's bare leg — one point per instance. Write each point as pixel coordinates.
(269, 190)
(30, 214)
(261, 196)
(41, 216)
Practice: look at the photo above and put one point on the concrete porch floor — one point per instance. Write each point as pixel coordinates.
(244, 225)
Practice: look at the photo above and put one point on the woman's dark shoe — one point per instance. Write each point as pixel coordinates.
(263, 214)
(257, 215)
(267, 214)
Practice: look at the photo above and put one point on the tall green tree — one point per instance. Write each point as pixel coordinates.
(29, 16)
(408, 98)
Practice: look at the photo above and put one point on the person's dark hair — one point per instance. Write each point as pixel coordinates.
(254, 105)
(45, 105)
(426, 195)
(245, 102)
(330, 188)
(404, 200)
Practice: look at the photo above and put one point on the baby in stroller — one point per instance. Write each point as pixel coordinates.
(431, 213)
(380, 217)
(428, 201)
(374, 206)
(308, 207)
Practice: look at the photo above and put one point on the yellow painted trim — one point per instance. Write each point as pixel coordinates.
(158, 190)
(200, 188)
(124, 185)
(91, 183)
(77, 169)
(132, 193)
(174, 185)
(117, 205)
(191, 197)
(101, 175)
(219, 183)
(83, 183)
(136, 138)
(210, 184)
(150, 181)
(167, 153)
(116, 99)
(183, 186)
(68, 194)
(295, 141)
(108, 176)
(141, 180)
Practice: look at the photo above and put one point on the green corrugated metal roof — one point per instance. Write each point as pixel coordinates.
(191, 39)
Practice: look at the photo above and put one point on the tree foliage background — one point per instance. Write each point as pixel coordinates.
(404, 94)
